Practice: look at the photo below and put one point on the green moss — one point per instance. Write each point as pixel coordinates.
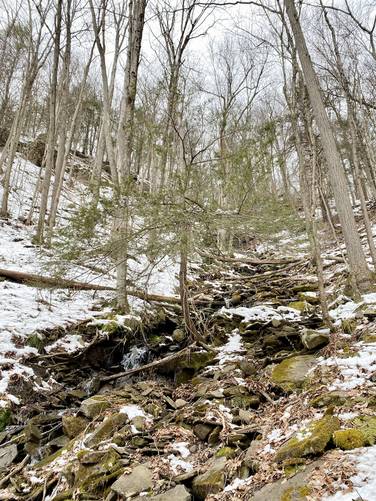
(301, 306)
(5, 416)
(349, 439)
(293, 466)
(37, 341)
(336, 398)
(367, 425)
(369, 338)
(296, 493)
(226, 452)
(311, 441)
(291, 373)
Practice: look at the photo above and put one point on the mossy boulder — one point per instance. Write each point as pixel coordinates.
(367, 425)
(348, 439)
(292, 372)
(295, 488)
(312, 440)
(246, 402)
(193, 361)
(93, 406)
(210, 482)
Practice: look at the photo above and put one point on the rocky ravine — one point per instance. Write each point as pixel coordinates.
(266, 409)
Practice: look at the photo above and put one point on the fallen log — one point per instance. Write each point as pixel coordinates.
(34, 280)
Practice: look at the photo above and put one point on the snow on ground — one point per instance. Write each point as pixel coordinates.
(364, 481)
(232, 350)
(353, 370)
(261, 313)
(69, 343)
(348, 309)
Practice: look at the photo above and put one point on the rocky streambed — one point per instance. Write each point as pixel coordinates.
(252, 413)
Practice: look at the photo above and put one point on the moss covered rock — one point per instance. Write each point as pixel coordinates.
(349, 439)
(106, 429)
(210, 482)
(331, 398)
(309, 297)
(296, 493)
(93, 406)
(226, 452)
(367, 425)
(312, 440)
(292, 372)
(301, 306)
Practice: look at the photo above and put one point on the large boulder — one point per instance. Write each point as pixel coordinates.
(139, 480)
(210, 482)
(311, 440)
(292, 372)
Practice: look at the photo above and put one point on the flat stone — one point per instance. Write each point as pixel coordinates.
(139, 480)
(7, 455)
(202, 431)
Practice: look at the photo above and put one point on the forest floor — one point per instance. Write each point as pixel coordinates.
(273, 406)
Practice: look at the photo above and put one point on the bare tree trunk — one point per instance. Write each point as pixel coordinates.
(51, 138)
(136, 11)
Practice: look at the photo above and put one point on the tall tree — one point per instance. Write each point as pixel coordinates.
(356, 257)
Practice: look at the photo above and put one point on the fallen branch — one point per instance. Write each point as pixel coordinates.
(253, 261)
(152, 365)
